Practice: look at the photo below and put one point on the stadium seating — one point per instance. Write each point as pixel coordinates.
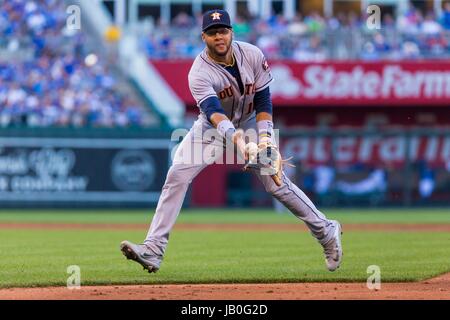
(412, 35)
(50, 76)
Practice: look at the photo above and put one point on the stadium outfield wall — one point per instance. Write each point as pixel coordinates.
(82, 168)
(127, 168)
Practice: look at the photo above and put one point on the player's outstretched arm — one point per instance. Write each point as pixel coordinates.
(226, 128)
(263, 118)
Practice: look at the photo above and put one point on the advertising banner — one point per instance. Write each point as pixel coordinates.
(425, 83)
(82, 171)
(374, 150)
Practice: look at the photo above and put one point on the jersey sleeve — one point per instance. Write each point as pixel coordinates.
(201, 88)
(263, 76)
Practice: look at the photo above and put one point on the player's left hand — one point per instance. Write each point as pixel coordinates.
(270, 160)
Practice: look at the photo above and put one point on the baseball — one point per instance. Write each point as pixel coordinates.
(251, 149)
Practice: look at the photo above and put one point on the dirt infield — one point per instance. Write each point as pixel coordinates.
(436, 288)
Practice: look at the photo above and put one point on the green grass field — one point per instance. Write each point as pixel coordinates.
(41, 257)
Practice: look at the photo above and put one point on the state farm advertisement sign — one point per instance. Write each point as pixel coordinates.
(341, 83)
(362, 84)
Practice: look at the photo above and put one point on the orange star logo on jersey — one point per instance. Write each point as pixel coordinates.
(216, 16)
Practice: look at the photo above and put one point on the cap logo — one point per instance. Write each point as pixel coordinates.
(216, 16)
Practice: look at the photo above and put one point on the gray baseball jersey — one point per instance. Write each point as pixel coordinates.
(209, 79)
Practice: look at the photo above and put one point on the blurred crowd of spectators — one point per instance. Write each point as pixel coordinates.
(411, 35)
(58, 82)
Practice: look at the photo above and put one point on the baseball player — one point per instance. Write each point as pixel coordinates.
(230, 83)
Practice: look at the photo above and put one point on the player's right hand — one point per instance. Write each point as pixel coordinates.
(238, 140)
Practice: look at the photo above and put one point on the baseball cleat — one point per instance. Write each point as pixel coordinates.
(142, 255)
(333, 249)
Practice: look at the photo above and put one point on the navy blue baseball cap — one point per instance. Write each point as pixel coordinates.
(214, 18)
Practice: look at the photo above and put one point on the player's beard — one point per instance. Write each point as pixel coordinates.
(214, 52)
